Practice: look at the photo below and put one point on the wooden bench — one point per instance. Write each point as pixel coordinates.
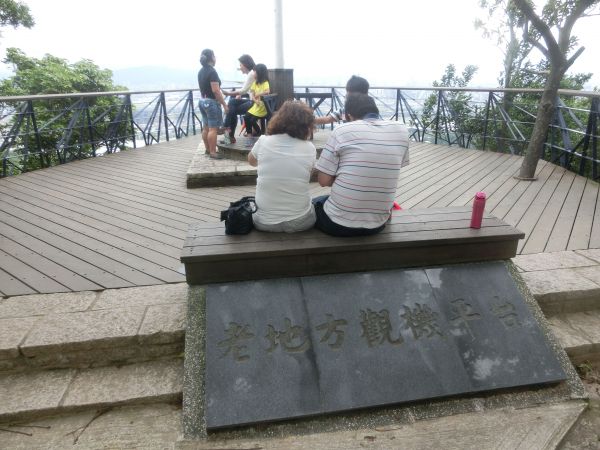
(413, 238)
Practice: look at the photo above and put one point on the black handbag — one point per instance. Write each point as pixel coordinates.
(238, 217)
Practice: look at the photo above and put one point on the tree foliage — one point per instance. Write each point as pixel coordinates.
(503, 26)
(66, 125)
(550, 33)
(15, 14)
(518, 30)
(52, 75)
(452, 115)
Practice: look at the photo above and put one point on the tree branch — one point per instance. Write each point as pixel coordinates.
(564, 36)
(572, 59)
(552, 47)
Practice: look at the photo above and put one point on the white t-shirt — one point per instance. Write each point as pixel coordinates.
(284, 168)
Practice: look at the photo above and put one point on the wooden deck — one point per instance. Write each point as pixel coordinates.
(121, 220)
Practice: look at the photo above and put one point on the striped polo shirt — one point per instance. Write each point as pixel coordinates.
(365, 156)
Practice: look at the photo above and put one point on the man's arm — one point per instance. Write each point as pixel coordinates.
(324, 179)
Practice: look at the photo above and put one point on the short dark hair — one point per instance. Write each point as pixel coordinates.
(247, 61)
(359, 105)
(294, 118)
(357, 84)
(262, 74)
(206, 57)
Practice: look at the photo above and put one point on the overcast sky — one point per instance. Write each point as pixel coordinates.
(391, 43)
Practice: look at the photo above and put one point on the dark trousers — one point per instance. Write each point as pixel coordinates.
(237, 106)
(328, 226)
(253, 125)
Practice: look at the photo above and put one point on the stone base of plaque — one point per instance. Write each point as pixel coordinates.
(559, 382)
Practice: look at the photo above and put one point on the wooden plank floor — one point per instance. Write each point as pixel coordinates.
(120, 220)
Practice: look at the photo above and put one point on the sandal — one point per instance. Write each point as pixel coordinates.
(216, 156)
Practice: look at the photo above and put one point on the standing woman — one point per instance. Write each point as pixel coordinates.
(210, 90)
(259, 88)
(284, 159)
(239, 103)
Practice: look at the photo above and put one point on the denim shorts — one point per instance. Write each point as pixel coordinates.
(212, 116)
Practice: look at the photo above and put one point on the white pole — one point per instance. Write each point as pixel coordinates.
(278, 35)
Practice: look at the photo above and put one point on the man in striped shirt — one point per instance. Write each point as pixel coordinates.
(361, 162)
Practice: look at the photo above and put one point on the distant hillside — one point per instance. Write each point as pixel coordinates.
(155, 78)
(151, 78)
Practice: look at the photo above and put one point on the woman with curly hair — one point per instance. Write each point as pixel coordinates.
(284, 158)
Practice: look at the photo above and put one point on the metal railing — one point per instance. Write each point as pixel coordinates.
(490, 119)
(39, 131)
(43, 130)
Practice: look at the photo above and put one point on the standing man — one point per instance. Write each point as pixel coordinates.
(361, 162)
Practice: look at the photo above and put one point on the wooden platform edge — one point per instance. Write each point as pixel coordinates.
(281, 266)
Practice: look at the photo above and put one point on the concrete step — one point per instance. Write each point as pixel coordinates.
(579, 334)
(91, 329)
(158, 426)
(29, 395)
(563, 282)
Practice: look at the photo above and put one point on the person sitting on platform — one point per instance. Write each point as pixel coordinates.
(361, 162)
(355, 84)
(284, 159)
(258, 110)
(239, 101)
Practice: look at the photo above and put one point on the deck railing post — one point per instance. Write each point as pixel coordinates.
(90, 128)
(164, 112)
(437, 116)
(487, 117)
(595, 117)
(397, 104)
(131, 121)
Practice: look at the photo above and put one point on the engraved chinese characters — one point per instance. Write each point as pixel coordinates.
(376, 328)
(292, 347)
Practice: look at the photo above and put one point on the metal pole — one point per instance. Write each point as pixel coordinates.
(278, 35)
(487, 117)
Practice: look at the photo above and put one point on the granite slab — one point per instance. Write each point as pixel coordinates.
(293, 347)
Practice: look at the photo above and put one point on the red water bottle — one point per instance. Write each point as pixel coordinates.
(478, 207)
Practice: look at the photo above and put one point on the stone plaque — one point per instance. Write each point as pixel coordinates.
(278, 349)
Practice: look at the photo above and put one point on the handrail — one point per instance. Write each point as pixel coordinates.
(402, 88)
(42, 130)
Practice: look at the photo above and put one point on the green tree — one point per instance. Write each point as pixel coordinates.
(452, 114)
(15, 14)
(550, 33)
(505, 25)
(65, 123)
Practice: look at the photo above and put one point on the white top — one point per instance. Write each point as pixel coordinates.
(284, 168)
(365, 156)
(251, 78)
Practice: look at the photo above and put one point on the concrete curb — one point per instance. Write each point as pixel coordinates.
(88, 329)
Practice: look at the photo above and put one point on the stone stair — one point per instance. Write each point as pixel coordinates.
(566, 285)
(61, 353)
(115, 358)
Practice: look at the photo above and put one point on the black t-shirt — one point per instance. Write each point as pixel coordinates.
(207, 75)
